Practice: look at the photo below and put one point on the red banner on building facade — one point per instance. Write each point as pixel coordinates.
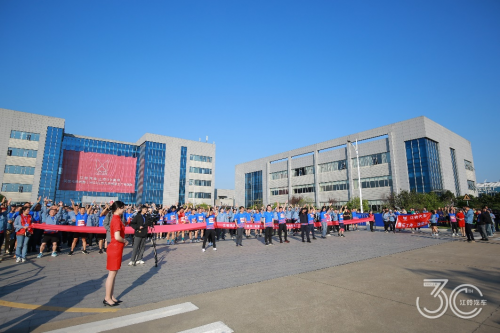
(97, 172)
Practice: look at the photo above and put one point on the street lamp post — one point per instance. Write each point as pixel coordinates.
(359, 175)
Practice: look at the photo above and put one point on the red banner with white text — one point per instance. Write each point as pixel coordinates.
(413, 221)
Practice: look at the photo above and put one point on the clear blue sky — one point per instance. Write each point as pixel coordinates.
(251, 74)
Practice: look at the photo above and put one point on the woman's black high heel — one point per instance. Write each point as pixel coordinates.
(118, 301)
(107, 304)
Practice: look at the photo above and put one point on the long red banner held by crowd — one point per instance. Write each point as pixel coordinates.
(413, 221)
(184, 227)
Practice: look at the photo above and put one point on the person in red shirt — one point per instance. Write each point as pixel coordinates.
(461, 221)
(115, 252)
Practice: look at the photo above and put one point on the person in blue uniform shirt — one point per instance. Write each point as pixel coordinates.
(240, 220)
(268, 224)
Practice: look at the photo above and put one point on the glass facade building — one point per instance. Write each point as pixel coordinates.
(182, 177)
(151, 172)
(50, 164)
(424, 168)
(455, 171)
(253, 189)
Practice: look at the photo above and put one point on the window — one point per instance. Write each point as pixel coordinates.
(384, 181)
(468, 165)
(21, 152)
(16, 188)
(19, 170)
(370, 160)
(279, 175)
(471, 185)
(200, 158)
(253, 188)
(182, 176)
(200, 195)
(333, 166)
(24, 136)
(303, 189)
(200, 170)
(198, 182)
(424, 168)
(339, 185)
(279, 191)
(455, 172)
(308, 170)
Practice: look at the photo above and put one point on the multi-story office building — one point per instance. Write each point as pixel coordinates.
(37, 158)
(224, 197)
(417, 154)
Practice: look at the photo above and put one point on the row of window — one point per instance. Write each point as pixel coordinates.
(200, 195)
(373, 159)
(279, 191)
(308, 170)
(19, 170)
(339, 185)
(333, 166)
(205, 171)
(21, 152)
(200, 158)
(303, 189)
(25, 135)
(16, 188)
(373, 182)
(279, 175)
(468, 165)
(199, 182)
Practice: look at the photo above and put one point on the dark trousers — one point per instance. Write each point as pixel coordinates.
(311, 229)
(393, 226)
(269, 235)
(454, 227)
(34, 240)
(232, 232)
(371, 225)
(2, 236)
(282, 228)
(304, 229)
(221, 233)
(482, 231)
(209, 233)
(468, 232)
(386, 225)
(138, 252)
(239, 236)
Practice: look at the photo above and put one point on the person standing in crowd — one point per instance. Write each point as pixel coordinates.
(385, 217)
(4, 224)
(282, 223)
(115, 252)
(469, 220)
(248, 219)
(81, 221)
(50, 236)
(230, 215)
(268, 224)
(181, 218)
(453, 221)
(10, 232)
(22, 225)
(340, 218)
(222, 218)
(239, 221)
(482, 221)
(461, 222)
(36, 217)
(354, 216)
(171, 219)
(392, 221)
(493, 217)
(304, 224)
(140, 225)
(101, 238)
(310, 221)
(372, 222)
(193, 233)
(295, 219)
(323, 216)
(434, 220)
(210, 229)
(200, 218)
(257, 219)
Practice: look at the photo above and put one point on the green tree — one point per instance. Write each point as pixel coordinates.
(354, 203)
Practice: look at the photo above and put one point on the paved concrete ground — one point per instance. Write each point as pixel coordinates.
(286, 287)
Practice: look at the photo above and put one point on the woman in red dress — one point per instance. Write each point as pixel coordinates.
(461, 221)
(115, 252)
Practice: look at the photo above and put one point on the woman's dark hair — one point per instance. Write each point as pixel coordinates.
(117, 205)
(433, 211)
(323, 209)
(303, 210)
(24, 208)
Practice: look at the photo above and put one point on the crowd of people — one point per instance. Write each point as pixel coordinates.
(20, 238)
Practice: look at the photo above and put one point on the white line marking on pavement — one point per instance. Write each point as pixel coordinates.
(218, 327)
(137, 318)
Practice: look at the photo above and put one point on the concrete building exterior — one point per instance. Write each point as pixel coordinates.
(417, 154)
(224, 197)
(40, 159)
